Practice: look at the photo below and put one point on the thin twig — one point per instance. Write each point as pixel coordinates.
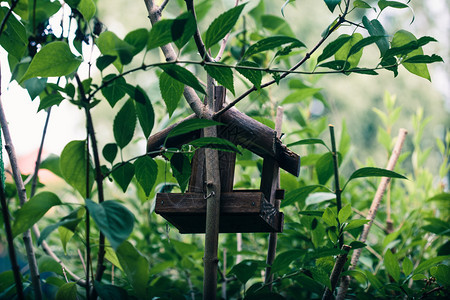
(337, 187)
(197, 37)
(224, 41)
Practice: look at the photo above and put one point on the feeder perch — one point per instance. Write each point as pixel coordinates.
(240, 210)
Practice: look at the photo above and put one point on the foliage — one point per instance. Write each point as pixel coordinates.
(407, 257)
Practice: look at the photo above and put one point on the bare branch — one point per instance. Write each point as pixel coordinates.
(197, 37)
(224, 42)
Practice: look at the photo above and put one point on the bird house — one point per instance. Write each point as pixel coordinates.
(240, 210)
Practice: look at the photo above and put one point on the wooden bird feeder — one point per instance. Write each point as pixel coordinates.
(240, 210)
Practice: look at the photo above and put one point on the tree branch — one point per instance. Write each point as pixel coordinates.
(197, 37)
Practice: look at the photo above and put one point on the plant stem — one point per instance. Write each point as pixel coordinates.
(336, 182)
(9, 146)
(8, 14)
(337, 270)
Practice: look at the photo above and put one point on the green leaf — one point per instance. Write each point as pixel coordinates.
(110, 152)
(113, 219)
(223, 75)
(53, 60)
(70, 222)
(343, 52)
(331, 4)
(68, 291)
(136, 267)
(316, 198)
(300, 95)
(355, 224)
(357, 245)
(382, 4)
(329, 217)
(145, 112)
(407, 266)
(314, 213)
(181, 169)
(308, 142)
(35, 86)
(109, 44)
(14, 36)
(33, 210)
(87, 9)
(284, 259)
(276, 25)
(215, 143)
(245, 270)
(333, 47)
(65, 235)
(146, 171)
(363, 43)
(122, 174)
(374, 172)
(104, 61)
(254, 76)
(171, 91)
(51, 163)
(110, 292)
(442, 274)
(138, 39)
(114, 90)
(344, 213)
(50, 100)
(271, 43)
(424, 59)
(324, 167)
(299, 195)
(183, 75)
(440, 197)
(427, 264)
(125, 124)
(191, 125)
(160, 34)
(72, 164)
(361, 4)
(222, 25)
(338, 65)
(183, 29)
(375, 28)
(391, 264)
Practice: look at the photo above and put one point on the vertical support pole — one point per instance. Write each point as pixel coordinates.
(274, 184)
(212, 206)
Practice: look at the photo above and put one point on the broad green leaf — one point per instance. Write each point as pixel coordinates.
(344, 213)
(373, 279)
(51, 163)
(300, 95)
(374, 172)
(427, 264)
(363, 43)
(65, 235)
(215, 143)
(114, 90)
(181, 169)
(146, 171)
(53, 60)
(271, 43)
(191, 125)
(183, 29)
(308, 142)
(407, 48)
(72, 164)
(440, 197)
(87, 9)
(284, 259)
(35, 86)
(160, 34)
(145, 112)
(382, 4)
(70, 222)
(361, 4)
(48, 264)
(254, 76)
(276, 25)
(110, 44)
(332, 4)
(324, 167)
(245, 270)
(316, 198)
(104, 61)
(299, 195)
(357, 245)
(407, 266)
(67, 291)
(136, 268)
(125, 124)
(50, 100)
(441, 273)
(333, 47)
(338, 65)
(222, 25)
(424, 59)
(329, 217)
(358, 275)
(355, 224)
(183, 75)
(122, 174)
(223, 75)
(44, 10)
(113, 219)
(111, 256)
(138, 39)
(375, 28)
(110, 152)
(14, 37)
(391, 264)
(184, 248)
(32, 211)
(343, 52)
(171, 91)
(110, 292)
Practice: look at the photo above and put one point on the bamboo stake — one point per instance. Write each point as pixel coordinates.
(373, 210)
